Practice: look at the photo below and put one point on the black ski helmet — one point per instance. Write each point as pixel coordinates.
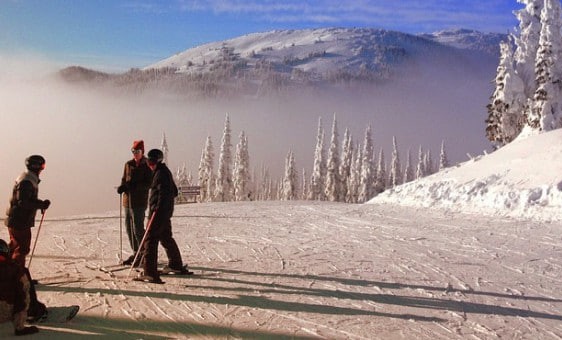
(155, 156)
(35, 162)
(4, 248)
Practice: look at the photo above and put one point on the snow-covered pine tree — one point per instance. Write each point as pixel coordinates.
(420, 169)
(366, 182)
(304, 186)
(527, 43)
(428, 163)
(545, 113)
(395, 168)
(223, 189)
(164, 148)
(242, 170)
(354, 177)
(289, 183)
(345, 165)
(333, 180)
(205, 172)
(507, 103)
(443, 159)
(380, 179)
(408, 169)
(317, 178)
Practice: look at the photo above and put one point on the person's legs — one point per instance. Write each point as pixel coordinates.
(170, 246)
(150, 252)
(138, 219)
(129, 227)
(20, 241)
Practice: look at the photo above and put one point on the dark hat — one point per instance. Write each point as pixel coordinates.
(155, 156)
(138, 145)
(35, 162)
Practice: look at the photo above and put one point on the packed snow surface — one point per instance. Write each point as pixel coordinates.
(320, 270)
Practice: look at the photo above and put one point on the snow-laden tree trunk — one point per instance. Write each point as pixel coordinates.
(395, 167)
(408, 169)
(345, 166)
(223, 189)
(289, 184)
(545, 113)
(317, 177)
(333, 179)
(242, 170)
(443, 159)
(366, 191)
(205, 173)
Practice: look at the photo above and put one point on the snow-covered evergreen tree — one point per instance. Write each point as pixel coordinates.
(507, 104)
(289, 183)
(317, 177)
(304, 185)
(409, 174)
(443, 159)
(527, 43)
(205, 173)
(380, 179)
(366, 188)
(420, 169)
(395, 168)
(333, 179)
(428, 163)
(345, 166)
(164, 148)
(545, 113)
(354, 180)
(242, 170)
(223, 189)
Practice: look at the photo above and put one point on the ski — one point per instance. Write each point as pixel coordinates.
(184, 271)
(148, 279)
(59, 314)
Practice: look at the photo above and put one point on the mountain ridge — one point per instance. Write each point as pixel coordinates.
(272, 61)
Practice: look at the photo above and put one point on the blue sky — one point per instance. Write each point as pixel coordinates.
(115, 35)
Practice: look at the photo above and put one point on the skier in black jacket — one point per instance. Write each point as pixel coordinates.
(163, 191)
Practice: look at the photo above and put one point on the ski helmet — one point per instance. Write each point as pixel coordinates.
(155, 156)
(35, 162)
(4, 248)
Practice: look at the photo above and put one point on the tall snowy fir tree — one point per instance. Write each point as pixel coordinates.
(409, 174)
(527, 43)
(345, 166)
(304, 186)
(164, 148)
(205, 173)
(428, 163)
(223, 188)
(420, 169)
(354, 180)
(395, 167)
(289, 183)
(545, 113)
(242, 170)
(443, 159)
(333, 179)
(318, 171)
(505, 111)
(366, 187)
(380, 175)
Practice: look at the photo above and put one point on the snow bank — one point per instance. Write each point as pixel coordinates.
(520, 180)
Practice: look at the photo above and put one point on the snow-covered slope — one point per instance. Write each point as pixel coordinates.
(468, 40)
(320, 51)
(522, 179)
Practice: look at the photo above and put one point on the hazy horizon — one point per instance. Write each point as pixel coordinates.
(86, 134)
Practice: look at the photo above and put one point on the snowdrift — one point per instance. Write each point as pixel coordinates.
(521, 180)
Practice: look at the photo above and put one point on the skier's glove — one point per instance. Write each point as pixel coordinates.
(46, 204)
(122, 188)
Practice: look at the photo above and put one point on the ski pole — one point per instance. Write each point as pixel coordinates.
(141, 245)
(36, 237)
(121, 227)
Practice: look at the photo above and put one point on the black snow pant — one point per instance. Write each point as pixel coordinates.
(160, 231)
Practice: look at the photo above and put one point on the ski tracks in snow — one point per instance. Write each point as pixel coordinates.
(317, 270)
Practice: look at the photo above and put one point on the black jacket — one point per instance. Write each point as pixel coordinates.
(163, 191)
(24, 202)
